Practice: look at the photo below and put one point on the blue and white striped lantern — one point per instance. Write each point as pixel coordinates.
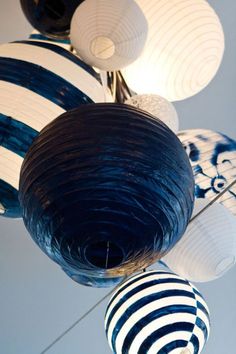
(38, 82)
(37, 36)
(157, 312)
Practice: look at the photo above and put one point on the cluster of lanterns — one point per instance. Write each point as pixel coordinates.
(107, 188)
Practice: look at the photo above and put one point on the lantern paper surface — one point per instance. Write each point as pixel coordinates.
(183, 52)
(157, 106)
(106, 189)
(157, 312)
(213, 159)
(208, 248)
(50, 17)
(38, 82)
(108, 34)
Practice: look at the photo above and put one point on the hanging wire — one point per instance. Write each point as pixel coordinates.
(81, 318)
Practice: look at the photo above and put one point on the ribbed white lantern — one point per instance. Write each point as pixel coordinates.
(157, 312)
(108, 34)
(38, 82)
(213, 159)
(183, 52)
(208, 248)
(157, 106)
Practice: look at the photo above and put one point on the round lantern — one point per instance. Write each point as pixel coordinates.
(108, 34)
(38, 82)
(157, 312)
(50, 17)
(183, 52)
(157, 106)
(208, 248)
(106, 189)
(213, 159)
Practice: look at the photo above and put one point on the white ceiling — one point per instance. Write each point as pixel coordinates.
(38, 301)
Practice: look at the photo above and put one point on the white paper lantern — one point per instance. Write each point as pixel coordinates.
(108, 34)
(38, 82)
(157, 106)
(157, 312)
(183, 51)
(208, 248)
(213, 159)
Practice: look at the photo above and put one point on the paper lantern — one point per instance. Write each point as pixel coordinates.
(157, 106)
(38, 82)
(106, 189)
(208, 248)
(108, 34)
(213, 159)
(157, 312)
(50, 17)
(183, 52)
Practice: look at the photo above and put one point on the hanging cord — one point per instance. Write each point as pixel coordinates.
(81, 318)
(144, 270)
(118, 86)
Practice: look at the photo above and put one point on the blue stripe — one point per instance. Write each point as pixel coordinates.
(9, 200)
(158, 313)
(129, 283)
(16, 136)
(195, 342)
(182, 344)
(153, 338)
(66, 54)
(41, 37)
(144, 286)
(43, 82)
(203, 327)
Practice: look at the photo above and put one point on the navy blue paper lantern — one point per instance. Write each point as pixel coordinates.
(157, 313)
(106, 189)
(50, 17)
(38, 82)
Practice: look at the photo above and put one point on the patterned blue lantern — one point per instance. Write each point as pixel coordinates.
(157, 312)
(213, 159)
(106, 189)
(38, 82)
(50, 17)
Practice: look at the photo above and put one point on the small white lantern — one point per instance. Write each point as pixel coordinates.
(157, 312)
(184, 49)
(108, 34)
(208, 248)
(157, 106)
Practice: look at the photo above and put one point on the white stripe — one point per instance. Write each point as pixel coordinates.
(187, 350)
(144, 311)
(157, 324)
(58, 65)
(155, 289)
(26, 106)
(152, 277)
(10, 165)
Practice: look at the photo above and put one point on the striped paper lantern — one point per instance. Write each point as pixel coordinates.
(50, 17)
(108, 34)
(111, 193)
(38, 82)
(213, 159)
(183, 52)
(157, 106)
(157, 312)
(208, 248)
